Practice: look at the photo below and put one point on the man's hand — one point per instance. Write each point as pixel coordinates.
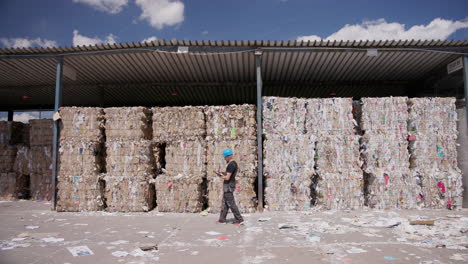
(219, 173)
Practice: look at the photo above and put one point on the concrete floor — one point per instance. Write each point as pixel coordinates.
(31, 233)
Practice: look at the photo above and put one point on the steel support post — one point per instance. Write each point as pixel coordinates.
(58, 102)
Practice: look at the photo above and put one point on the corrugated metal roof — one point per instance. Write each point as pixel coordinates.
(217, 72)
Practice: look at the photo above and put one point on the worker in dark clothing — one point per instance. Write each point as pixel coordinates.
(229, 185)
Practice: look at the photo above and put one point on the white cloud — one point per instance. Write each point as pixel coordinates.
(204, 32)
(161, 13)
(26, 43)
(109, 6)
(84, 41)
(152, 38)
(25, 116)
(382, 30)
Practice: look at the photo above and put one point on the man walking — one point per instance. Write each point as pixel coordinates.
(229, 185)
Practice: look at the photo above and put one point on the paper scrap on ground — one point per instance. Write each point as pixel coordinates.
(119, 242)
(265, 219)
(213, 233)
(356, 250)
(32, 227)
(52, 239)
(80, 251)
(221, 238)
(120, 254)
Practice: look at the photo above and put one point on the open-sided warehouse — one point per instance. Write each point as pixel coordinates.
(310, 120)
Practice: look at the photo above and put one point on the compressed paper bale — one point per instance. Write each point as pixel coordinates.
(23, 160)
(41, 132)
(12, 133)
(284, 116)
(83, 123)
(344, 190)
(245, 155)
(338, 153)
(179, 193)
(392, 189)
(433, 115)
(41, 160)
(441, 189)
(231, 122)
(130, 157)
(434, 153)
(244, 195)
(388, 151)
(289, 168)
(13, 186)
(178, 123)
(330, 116)
(128, 123)
(186, 157)
(80, 157)
(131, 193)
(385, 114)
(40, 186)
(7, 158)
(79, 193)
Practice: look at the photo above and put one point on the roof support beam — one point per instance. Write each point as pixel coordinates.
(465, 81)
(258, 64)
(10, 115)
(58, 103)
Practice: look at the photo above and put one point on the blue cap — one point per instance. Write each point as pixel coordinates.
(227, 152)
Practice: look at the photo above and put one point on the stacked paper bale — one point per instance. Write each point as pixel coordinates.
(232, 126)
(130, 162)
(14, 179)
(179, 134)
(81, 159)
(288, 154)
(40, 140)
(389, 183)
(338, 182)
(432, 136)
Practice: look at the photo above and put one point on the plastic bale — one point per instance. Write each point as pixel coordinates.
(79, 193)
(82, 123)
(12, 133)
(130, 157)
(80, 157)
(340, 191)
(284, 116)
(330, 116)
(7, 158)
(41, 132)
(128, 123)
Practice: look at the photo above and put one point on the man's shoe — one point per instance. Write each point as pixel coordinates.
(238, 223)
(220, 222)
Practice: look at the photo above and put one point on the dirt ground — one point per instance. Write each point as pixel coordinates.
(31, 233)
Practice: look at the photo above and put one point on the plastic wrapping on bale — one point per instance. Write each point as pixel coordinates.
(130, 157)
(23, 158)
(178, 123)
(186, 157)
(284, 116)
(128, 123)
(338, 153)
(343, 190)
(80, 157)
(83, 123)
(330, 116)
(432, 135)
(289, 168)
(131, 193)
(13, 186)
(245, 155)
(13, 133)
(7, 158)
(231, 122)
(244, 195)
(179, 193)
(79, 193)
(41, 132)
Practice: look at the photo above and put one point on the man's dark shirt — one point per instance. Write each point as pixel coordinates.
(232, 168)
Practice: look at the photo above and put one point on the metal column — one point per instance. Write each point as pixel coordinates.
(465, 81)
(58, 102)
(258, 62)
(10, 115)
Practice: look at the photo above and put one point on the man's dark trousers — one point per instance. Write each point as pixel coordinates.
(229, 202)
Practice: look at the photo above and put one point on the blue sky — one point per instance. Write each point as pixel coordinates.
(53, 22)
